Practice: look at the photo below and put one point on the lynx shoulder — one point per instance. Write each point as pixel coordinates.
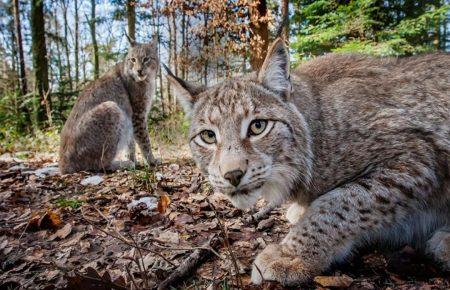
(110, 114)
(361, 145)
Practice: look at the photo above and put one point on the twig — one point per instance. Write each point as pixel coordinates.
(259, 215)
(123, 240)
(190, 263)
(227, 244)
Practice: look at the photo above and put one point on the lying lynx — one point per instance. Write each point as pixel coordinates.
(363, 144)
(107, 114)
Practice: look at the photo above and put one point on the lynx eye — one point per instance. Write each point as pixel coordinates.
(133, 59)
(146, 59)
(257, 127)
(208, 136)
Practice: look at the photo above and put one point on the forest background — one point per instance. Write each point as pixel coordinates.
(50, 49)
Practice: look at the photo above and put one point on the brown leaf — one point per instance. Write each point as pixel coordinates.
(163, 203)
(62, 233)
(343, 281)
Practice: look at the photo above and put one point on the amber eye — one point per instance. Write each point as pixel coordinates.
(133, 59)
(257, 127)
(208, 136)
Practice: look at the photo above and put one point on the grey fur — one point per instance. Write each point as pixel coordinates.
(109, 112)
(361, 144)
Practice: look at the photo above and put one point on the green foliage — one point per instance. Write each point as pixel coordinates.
(382, 28)
(12, 140)
(72, 203)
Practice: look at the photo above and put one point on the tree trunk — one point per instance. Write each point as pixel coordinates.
(205, 46)
(18, 28)
(66, 45)
(169, 95)
(259, 29)
(174, 54)
(131, 17)
(183, 45)
(94, 40)
(40, 63)
(156, 23)
(285, 19)
(76, 36)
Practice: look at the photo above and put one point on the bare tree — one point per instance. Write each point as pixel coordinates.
(40, 63)
(18, 31)
(131, 18)
(77, 49)
(94, 40)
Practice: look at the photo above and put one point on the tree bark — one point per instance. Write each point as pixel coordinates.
(18, 28)
(156, 23)
(174, 54)
(285, 19)
(66, 45)
(131, 18)
(259, 29)
(77, 49)
(205, 46)
(94, 40)
(40, 62)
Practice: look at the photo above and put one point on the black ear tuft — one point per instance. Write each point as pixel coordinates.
(185, 91)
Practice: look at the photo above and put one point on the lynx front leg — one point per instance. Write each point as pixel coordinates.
(142, 138)
(338, 220)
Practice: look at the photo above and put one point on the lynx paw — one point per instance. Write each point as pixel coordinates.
(439, 247)
(294, 213)
(274, 263)
(154, 161)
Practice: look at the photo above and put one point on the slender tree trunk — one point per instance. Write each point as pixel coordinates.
(183, 44)
(205, 47)
(58, 51)
(157, 23)
(18, 28)
(285, 19)
(174, 54)
(169, 95)
(77, 49)
(131, 18)
(260, 29)
(66, 45)
(40, 63)
(94, 40)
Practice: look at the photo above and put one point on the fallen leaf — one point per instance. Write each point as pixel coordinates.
(265, 224)
(343, 281)
(62, 233)
(163, 203)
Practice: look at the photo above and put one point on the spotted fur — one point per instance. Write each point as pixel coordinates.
(360, 144)
(108, 113)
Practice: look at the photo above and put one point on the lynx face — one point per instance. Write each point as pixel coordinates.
(141, 61)
(244, 132)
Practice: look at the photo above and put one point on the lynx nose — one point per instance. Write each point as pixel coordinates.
(140, 72)
(234, 177)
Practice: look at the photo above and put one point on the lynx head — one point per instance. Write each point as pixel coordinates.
(141, 62)
(246, 135)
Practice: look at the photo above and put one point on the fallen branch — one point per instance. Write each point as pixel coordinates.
(260, 215)
(191, 262)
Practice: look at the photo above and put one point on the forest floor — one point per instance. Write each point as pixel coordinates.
(131, 229)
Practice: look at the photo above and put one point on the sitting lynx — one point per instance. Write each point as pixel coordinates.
(363, 144)
(107, 114)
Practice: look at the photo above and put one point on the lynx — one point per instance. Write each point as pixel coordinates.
(360, 144)
(109, 112)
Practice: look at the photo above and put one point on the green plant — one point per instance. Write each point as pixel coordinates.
(72, 203)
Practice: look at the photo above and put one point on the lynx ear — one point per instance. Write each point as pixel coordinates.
(131, 41)
(185, 91)
(274, 73)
